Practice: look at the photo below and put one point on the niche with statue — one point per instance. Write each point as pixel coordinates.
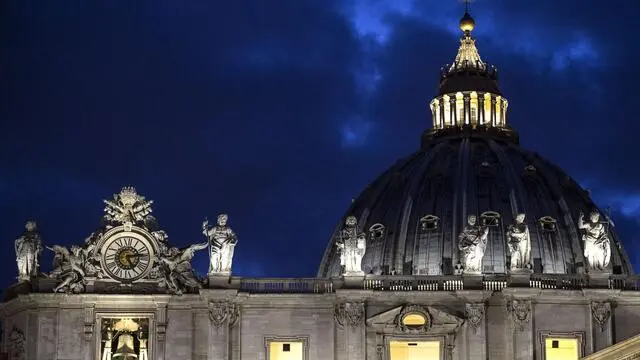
(124, 339)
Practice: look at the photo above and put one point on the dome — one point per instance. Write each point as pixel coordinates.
(414, 211)
(470, 165)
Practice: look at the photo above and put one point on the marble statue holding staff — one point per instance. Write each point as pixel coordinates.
(28, 248)
(222, 241)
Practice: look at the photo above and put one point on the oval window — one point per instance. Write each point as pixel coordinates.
(414, 320)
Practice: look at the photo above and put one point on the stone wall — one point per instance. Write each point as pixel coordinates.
(61, 327)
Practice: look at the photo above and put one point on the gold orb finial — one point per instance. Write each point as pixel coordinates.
(467, 24)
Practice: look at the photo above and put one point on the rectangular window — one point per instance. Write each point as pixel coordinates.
(414, 350)
(561, 349)
(290, 350)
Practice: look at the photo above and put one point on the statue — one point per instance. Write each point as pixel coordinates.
(178, 273)
(597, 246)
(519, 244)
(352, 246)
(28, 248)
(222, 241)
(69, 268)
(472, 243)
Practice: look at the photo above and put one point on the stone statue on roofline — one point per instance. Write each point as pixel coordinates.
(222, 242)
(28, 248)
(595, 237)
(352, 245)
(472, 242)
(519, 244)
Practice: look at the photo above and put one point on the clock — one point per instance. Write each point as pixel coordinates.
(127, 256)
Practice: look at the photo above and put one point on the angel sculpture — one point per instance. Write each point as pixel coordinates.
(178, 273)
(68, 268)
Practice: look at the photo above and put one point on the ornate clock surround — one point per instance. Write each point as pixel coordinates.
(135, 232)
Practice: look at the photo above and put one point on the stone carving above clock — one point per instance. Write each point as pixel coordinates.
(129, 247)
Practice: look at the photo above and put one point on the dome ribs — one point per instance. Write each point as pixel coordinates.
(472, 173)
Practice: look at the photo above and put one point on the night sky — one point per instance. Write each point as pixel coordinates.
(280, 112)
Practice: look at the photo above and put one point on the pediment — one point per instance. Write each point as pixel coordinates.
(440, 321)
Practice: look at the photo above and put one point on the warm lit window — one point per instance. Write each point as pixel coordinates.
(498, 110)
(447, 110)
(280, 350)
(487, 109)
(414, 350)
(473, 103)
(561, 349)
(460, 109)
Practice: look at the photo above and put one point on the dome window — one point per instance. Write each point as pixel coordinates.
(485, 169)
(376, 231)
(547, 223)
(529, 170)
(429, 223)
(490, 218)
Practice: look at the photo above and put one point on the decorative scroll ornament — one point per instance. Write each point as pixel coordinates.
(413, 319)
(223, 313)
(475, 315)
(15, 344)
(349, 314)
(520, 312)
(601, 312)
(28, 249)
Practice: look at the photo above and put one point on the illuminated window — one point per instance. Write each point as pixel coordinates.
(447, 110)
(438, 122)
(487, 109)
(473, 103)
(460, 109)
(498, 110)
(414, 350)
(561, 349)
(279, 350)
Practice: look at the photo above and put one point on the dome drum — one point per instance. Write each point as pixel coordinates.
(469, 108)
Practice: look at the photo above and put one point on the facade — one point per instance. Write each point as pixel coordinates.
(470, 249)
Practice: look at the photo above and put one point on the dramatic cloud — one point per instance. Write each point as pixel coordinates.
(279, 113)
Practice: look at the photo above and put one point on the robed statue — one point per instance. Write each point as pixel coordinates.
(597, 245)
(28, 248)
(472, 242)
(519, 244)
(352, 246)
(222, 242)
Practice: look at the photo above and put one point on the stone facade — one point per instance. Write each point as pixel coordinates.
(333, 320)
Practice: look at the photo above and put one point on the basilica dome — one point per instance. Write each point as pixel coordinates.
(470, 164)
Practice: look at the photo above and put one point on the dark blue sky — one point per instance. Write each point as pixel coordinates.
(280, 112)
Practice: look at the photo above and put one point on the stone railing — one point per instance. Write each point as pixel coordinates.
(376, 283)
(282, 285)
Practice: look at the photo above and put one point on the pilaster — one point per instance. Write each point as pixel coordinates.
(475, 329)
(90, 326)
(161, 330)
(350, 318)
(521, 313)
(601, 324)
(223, 315)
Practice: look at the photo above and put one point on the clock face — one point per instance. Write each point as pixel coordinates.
(126, 258)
